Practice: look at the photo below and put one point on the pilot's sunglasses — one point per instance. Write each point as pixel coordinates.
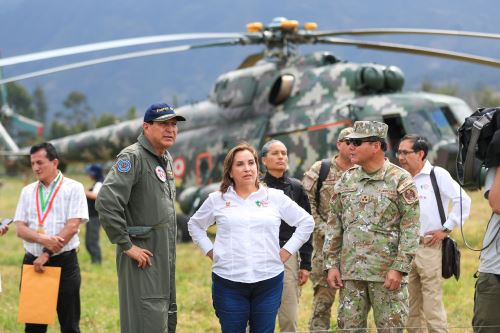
(359, 142)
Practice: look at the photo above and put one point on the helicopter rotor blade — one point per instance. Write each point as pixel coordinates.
(410, 49)
(406, 31)
(138, 54)
(111, 45)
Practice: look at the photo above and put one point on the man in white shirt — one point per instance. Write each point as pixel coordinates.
(426, 303)
(48, 216)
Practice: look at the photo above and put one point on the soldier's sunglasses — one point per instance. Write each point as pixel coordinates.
(359, 142)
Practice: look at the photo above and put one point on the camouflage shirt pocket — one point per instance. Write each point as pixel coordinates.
(386, 210)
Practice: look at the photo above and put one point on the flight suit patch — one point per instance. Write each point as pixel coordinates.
(160, 173)
(123, 166)
(170, 175)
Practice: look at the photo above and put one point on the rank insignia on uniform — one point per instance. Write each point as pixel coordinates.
(364, 198)
(410, 195)
(170, 175)
(160, 173)
(123, 166)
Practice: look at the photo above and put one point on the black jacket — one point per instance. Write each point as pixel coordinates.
(293, 189)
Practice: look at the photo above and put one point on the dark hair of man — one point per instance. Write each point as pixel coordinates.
(228, 164)
(419, 143)
(383, 143)
(49, 149)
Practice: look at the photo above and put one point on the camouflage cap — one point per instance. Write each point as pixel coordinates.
(345, 132)
(365, 129)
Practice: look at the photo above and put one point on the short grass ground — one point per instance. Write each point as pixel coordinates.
(99, 283)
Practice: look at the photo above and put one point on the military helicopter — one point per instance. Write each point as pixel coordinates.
(302, 100)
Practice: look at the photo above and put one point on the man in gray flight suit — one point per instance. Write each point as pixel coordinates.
(136, 207)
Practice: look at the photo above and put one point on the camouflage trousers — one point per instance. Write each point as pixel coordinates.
(318, 274)
(323, 295)
(390, 308)
(322, 308)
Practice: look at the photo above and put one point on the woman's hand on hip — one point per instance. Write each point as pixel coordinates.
(284, 255)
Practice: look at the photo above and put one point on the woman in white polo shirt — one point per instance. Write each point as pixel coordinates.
(247, 270)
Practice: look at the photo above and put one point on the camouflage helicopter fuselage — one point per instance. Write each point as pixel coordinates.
(304, 102)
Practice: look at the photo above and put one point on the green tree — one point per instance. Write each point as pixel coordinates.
(58, 130)
(80, 111)
(451, 90)
(40, 103)
(20, 100)
(106, 119)
(132, 113)
(485, 98)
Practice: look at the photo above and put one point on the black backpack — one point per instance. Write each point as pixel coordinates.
(478, 145)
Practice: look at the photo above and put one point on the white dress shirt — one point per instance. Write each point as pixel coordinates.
(70, 202)
(449, 190)
(246, 247)
(97, 187)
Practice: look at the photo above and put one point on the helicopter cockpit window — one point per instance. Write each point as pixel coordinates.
(458, 112)
(433, 125)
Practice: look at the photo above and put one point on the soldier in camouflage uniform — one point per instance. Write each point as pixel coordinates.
(324, 296)
(372, 234)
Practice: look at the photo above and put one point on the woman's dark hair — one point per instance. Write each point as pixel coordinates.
(228, 164)
(419, 143)
(49, 149)
(265, 148)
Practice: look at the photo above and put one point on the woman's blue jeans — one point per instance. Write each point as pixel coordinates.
(237, 304)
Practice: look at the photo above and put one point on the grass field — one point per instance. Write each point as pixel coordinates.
(99, 283)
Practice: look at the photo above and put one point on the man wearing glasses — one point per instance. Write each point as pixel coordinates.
(372, 234)
(426, 297)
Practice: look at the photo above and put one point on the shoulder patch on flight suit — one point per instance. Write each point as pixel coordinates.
(123, 165)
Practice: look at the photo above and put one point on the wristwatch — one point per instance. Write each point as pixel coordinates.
(46, 250)
(446, 230)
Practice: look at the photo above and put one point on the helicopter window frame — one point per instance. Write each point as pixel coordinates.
(431, 124)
